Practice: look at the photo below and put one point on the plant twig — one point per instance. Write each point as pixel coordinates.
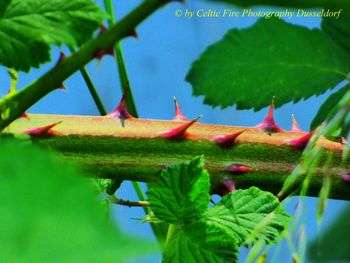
(128, 203)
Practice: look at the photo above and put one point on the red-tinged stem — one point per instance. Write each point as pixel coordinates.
(15, 104)
(137, 151)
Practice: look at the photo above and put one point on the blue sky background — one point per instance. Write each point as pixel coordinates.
(157, 64)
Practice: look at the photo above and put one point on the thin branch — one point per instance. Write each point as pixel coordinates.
(119, 201)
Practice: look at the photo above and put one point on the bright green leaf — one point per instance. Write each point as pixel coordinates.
(249, 215)
(294, 3)
(28, 28)
(328, 106)
(199, 242)
(181, 193)
(49, 213)
(338, 28)
(271, 58)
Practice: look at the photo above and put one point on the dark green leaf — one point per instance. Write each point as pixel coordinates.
(294, 3)
(249, 215)
(28, 28)
(338, 29)
(49, 213)
(181, 193)
(333, 245)
(199, 243)
(272, 58)
(328, 106)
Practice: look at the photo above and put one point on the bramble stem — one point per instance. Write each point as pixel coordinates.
(13, 105)
(128, 203)
(138, 152)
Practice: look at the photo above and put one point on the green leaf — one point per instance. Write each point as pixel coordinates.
(271, 58)
(49, 213)
(294, 3)
(199, 242)
(328, 106)
(28, 28)
(181, 193)
(249, 215)
(333, 244)
(338, 29)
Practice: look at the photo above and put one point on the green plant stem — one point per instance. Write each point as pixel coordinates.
(93, 92)
(13, 105)
(138, 152)
(123, 75)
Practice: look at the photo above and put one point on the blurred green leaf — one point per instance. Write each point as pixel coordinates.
(249, 215)
(338, 29)
(328, 106)
(333, 244)
(271, 58)
(181, 193)
(50, 213)
(294, 3)
(200, 243)
(28, 28)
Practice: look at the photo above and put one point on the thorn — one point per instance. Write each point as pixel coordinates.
(302, 141)
(179, 133)
(295, 125)
(237, 168)
(268, 124)
(99, 53)
(179, 116)
(229, 139)
(346, 178)
(62, 87)
(134, 34)
(120, 112)
(224, 186)
(26, 116)
(61, 58)
(45, 131)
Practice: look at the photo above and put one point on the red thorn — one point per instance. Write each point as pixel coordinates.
(179, 116)
(62, 87)
(134, 34)
(302, 141)
(295, 125)
(26, 116)
(99, 53)
(225, 186)
(229, 139)
(268, 124)
(346, 178)
(45, 131)
(237, 168)
(61, 58)
(179, 133)
(121, 112)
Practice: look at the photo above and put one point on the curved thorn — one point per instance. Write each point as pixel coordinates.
(180, 132)
(302, 141)
(44, 131)
(229, 139)
(268, 124)
(26, 116)
(179, 116)
(237, 168)
(120, 112)
(295, 125)
(224, 186)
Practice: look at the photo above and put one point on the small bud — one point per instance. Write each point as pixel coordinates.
(228, 140)
(237, 168)
(180, 132)
(179, 116)
(295, 126)
(45, 131)
(268, 124)
(302, 141)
